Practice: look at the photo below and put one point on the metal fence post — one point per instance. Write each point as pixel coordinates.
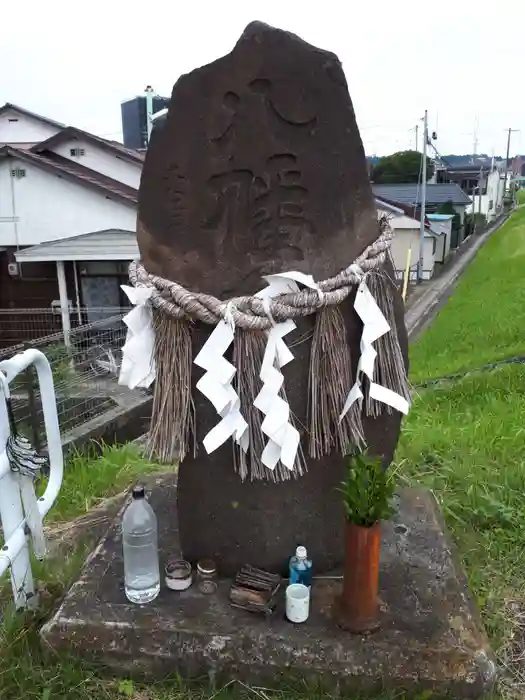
(11, 515)
(15, 552)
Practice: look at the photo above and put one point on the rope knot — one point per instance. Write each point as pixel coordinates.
(246, 312)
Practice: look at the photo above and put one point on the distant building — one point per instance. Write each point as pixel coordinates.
(68, 209)
(436, 196)
(134, 119)
(484, 183)
(406, 224)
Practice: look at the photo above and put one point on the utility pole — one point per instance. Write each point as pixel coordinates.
(423, 198)
(476, 140)
(480, 188)
(511, 131)
(416, 129)
(149, 112)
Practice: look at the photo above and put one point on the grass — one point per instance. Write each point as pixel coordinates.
(466, 441)
(521, 196)
(483, 320)
(88, 480)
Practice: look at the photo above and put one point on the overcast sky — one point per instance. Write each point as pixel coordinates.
(76, 61)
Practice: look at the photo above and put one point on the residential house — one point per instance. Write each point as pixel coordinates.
(405, 243)
(22, 129)
(68, 202)
(436, 196)
(483, 179)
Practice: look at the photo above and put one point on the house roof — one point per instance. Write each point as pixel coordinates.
(469, 167)
(388, 206)
(71, 132)
(411, 194)
(63, 167)
(401, 208)
(110, 244)
(21, 110)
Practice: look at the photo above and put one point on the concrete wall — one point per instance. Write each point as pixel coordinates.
(409, 238)
(443, 241)
(102, 161)
(18, 129)
(490, 203)
(47, 207)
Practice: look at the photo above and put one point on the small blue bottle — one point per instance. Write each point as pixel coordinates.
(301, 567)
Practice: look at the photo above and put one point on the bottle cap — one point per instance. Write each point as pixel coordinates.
(300, 552)
(138, 492)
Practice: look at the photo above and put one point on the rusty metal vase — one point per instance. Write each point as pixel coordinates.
(357, 609)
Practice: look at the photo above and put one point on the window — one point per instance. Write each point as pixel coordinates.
(491, 204)
(76, 152)
(18, 172)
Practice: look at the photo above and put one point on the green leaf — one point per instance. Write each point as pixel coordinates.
(367, 490)
(126, 687)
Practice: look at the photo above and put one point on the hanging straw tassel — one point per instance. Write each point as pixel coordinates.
(390, 365)
(173, 414)
(248, 353)
(330, 380)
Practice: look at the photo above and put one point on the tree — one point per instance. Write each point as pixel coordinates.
(401, 167)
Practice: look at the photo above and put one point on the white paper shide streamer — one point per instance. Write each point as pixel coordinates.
(375, 325)
(283, 437)
(138, 363)
(216, 385)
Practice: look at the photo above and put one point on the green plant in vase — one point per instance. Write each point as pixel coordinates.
(368, 492)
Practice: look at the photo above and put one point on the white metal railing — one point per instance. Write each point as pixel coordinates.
(14, 554)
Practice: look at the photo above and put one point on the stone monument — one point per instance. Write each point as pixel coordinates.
(259, 168)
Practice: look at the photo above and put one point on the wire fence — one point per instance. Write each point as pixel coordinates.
(85, 363)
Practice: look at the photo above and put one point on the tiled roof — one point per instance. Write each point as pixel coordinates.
(411, 194)
(406, 209)
(76, 172)
(111, 244)
(71, 132)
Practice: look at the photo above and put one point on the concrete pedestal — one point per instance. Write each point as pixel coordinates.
(430, 638)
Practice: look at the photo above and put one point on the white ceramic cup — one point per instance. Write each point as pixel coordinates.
(297, 602)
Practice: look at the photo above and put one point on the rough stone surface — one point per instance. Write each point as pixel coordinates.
(259, 168)
(431, 637)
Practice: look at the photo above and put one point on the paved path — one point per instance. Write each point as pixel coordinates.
(430, 300)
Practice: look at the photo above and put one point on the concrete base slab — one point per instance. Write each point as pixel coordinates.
(431, 636)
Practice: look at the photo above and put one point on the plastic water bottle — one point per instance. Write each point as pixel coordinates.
(301, 567)
(140, 549)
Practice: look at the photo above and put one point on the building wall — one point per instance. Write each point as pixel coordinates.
(103, 162)
(25, 130)
(134, 119)
(51, 208)
(409, 238)
(491, 202)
